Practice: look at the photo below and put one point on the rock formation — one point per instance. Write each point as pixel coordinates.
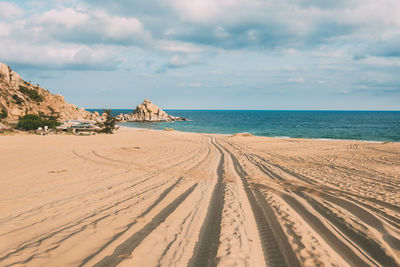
(4, 127)
(148, 112)
(18, 97)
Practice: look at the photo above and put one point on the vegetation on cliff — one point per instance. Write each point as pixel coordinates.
(32, 121)
(19, 97)
(31, 93)
(3, 114)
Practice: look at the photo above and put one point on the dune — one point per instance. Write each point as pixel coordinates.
(168, 198)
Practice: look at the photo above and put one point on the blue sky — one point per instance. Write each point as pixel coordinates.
(209, 54)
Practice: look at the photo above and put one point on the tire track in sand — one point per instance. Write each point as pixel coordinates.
(158, 200)
(132, 242)
(207, 246)
(276, 248)
(373, 249)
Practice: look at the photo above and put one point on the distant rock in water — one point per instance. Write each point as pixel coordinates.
(18, 97)
(148, 112)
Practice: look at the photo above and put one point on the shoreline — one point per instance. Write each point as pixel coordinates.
(277, 137)
(224, 134)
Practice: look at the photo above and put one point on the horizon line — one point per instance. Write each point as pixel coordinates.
(179, 109)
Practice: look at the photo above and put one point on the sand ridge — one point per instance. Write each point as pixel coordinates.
(155, 198)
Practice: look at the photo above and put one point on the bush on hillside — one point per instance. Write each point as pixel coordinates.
(32, 122)
(17, 99)
(3, 114)
(32, 93)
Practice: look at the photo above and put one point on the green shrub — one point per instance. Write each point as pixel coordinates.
(17, 99)
(3, 114)
(108, 126)
(33, 94)
(32, 122)
(53, 114)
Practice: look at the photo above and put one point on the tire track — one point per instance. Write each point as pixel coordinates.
(132, 242)
(276, 248)
(68, 226)
(361, 239)
(155, 203)
(106, 188)
(266, 168)
(207, 246)
(35, 243)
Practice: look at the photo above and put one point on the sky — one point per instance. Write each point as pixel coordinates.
(208, 54)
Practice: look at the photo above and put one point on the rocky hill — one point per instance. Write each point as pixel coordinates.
(18, 97)
(148, 112)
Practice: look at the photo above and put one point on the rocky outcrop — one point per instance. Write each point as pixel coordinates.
(4, 127)
(18, 97)
(148, 112)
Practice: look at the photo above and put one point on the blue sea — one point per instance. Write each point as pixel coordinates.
(353, 125)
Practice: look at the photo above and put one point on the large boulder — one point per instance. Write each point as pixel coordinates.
(148, 112)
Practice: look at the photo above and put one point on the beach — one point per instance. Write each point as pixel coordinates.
(168, 198)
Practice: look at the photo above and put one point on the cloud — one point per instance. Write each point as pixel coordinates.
(67, 17)
(178, 61)
(9, 11)
(231, 24)
(357, 29)
(172, 46)
(61, 56)
(68, 38)
(5, 29)
(91, 27)
(196, 84)
(296, 80)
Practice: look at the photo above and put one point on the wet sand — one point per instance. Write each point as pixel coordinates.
(155, 198)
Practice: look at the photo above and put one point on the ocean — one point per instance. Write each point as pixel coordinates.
(352, 125)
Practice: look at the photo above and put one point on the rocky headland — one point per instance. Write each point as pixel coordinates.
(19, 97)
(148, 112)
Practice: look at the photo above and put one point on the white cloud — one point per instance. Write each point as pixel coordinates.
(5, 29)
(174, 46)
(190, 84)
(66, 16)
(196, 10)
(91, 26)
(331, 30)
(329, 53)
(59, 56)
(296, 80)
(9, 10)
(119, 27)
(177, 62)
(68, 38)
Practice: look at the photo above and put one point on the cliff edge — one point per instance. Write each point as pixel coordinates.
(18, 97)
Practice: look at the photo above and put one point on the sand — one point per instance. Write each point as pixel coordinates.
(167, 198)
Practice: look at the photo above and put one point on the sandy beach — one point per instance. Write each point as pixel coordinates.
(158, 198)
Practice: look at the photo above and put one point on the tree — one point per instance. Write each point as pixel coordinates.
(108, 125)
(3, 114)
(32, 122)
